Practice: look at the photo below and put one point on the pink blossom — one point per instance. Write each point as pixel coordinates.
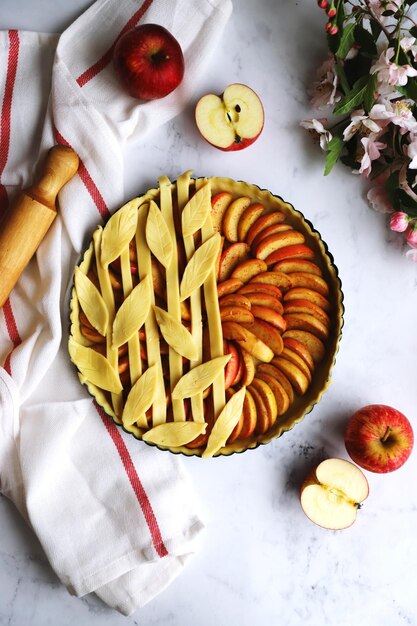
(358, 120)
(371, 153)
(316, 126)
(399, 221)
(391, 73)
(411, 235)
(378, 197)
(407, 44)
(412, 255)
(411, 151)
(399, 113)
(380, 6)
(324, 90)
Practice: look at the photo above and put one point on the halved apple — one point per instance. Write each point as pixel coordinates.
(333, 493)
(231, 121)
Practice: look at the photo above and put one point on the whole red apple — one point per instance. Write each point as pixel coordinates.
(379, 438)
(232, 121)
(149, 61)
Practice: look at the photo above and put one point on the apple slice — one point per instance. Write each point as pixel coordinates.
(241, 369)
(249, 416)
(311, 281)
(273, 371)
(302, 293)
(292, 356)
(232, 365)
(306, 306)
(249, 217)
(232, 216)
(248, 368)
(301, 350)
(268, 398)
(270, 230)
(281, 397)
(266, 247)
(263, 417)
(231, 121)
(278, 279)
(276, 217)
(231, 285)
(248, 341)
(254, 287)
(264, 299)
(313, 344)
(295, 251)
(219, 205)
(269, 315)
(268, 334)
(238, 428)
(296, 377)
(304, 321)
(236, 314)
(231, 257)
(297, 265)
(333, 493)
(249, 269)
(235, 299)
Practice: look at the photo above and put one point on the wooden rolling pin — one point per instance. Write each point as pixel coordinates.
(28, 219)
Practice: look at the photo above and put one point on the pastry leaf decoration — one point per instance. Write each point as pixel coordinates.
(199, 378)
(91, 302)
(158, 237)
(118, 232)
(175, 334)
(94, 367)
(132, 313)
(196, 211)
(225, 423)
(174, 434)
(199, 266)
(140, 398)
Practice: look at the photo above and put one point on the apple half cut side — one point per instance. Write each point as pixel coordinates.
(231, 121)
(333, 493)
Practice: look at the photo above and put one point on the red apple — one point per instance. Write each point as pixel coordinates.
(231, 121)
(379, 438)
(148, 61)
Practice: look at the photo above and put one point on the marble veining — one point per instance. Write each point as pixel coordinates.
(261, 561)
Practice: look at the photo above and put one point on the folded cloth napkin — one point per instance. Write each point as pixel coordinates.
(114, 516)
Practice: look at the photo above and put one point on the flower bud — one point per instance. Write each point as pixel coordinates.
(332, 11)
(411, 235)
(399, 221)
(323, 4)
(331, 28)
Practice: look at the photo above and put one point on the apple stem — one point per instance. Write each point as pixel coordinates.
(386, 434)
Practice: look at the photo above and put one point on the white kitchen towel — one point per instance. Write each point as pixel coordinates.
(114, 516)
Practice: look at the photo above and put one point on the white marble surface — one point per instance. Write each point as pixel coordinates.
(261, 560)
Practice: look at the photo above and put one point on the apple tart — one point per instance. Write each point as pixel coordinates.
(206, 316)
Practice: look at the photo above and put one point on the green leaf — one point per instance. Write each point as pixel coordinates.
(334, 149)
(342, 76)
(346, 41)
(354, 98)
(369, 97)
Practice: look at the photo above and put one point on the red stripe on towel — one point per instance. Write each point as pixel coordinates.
(13, 332)
(135, 481)
(6, 111)
(88, 181)
(5, 130)
(95, 69)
